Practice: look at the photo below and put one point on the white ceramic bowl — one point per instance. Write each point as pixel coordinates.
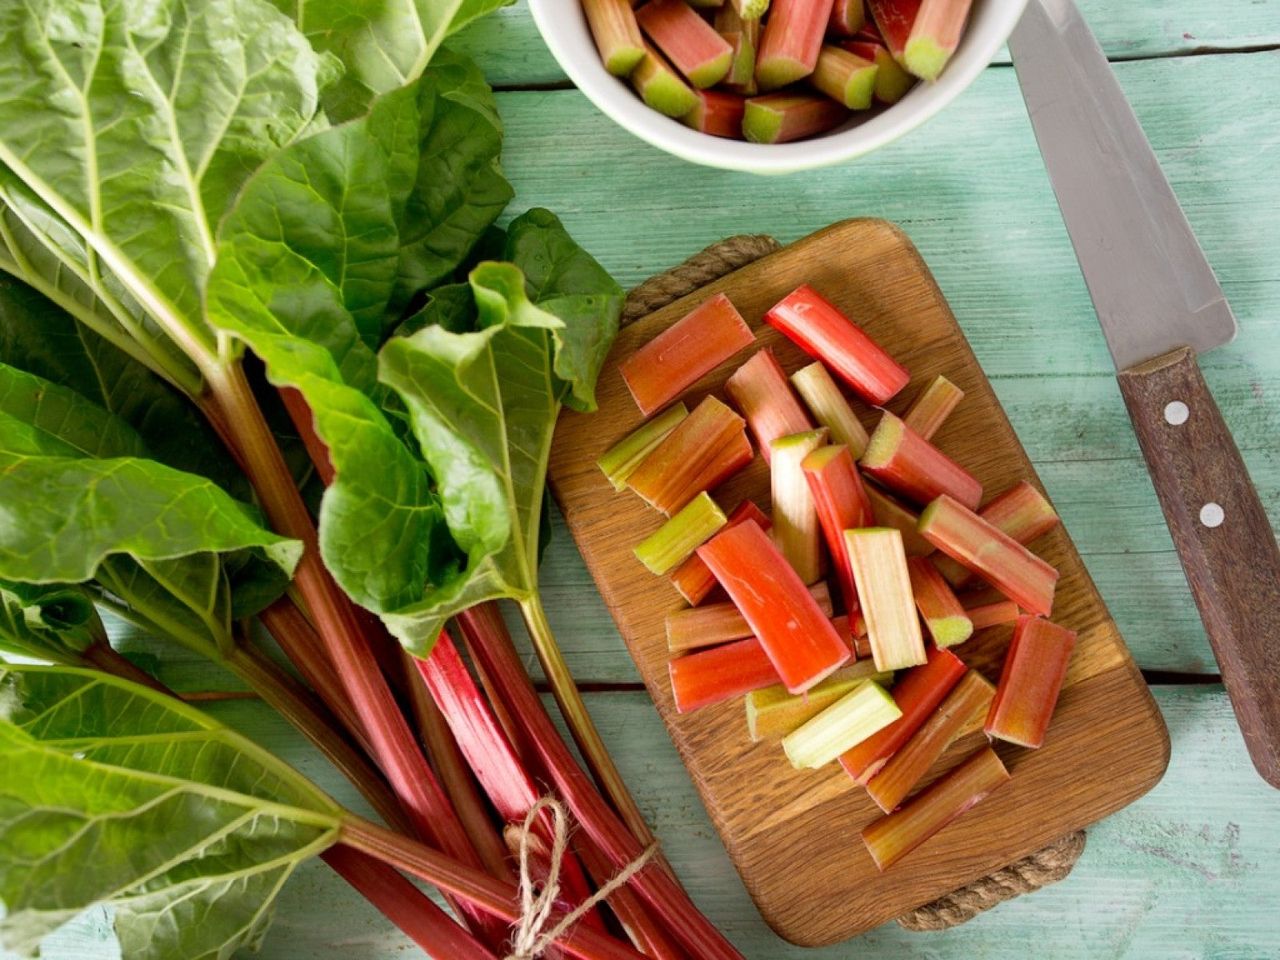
(564, 28)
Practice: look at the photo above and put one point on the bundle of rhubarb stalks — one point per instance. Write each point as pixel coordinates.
(838, 612)
(771, 72)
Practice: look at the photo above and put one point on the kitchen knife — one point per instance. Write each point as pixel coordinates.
(1160, 305)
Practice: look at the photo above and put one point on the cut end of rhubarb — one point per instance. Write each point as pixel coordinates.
(622, 61)
(845, 77)
(950, 631)
(711, 72)
(750, 9)
(925, 58)
(775, 72)
(660, 88)
(884, 442)
(783, 117)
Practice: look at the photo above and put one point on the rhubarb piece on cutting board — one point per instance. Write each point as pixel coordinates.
(617, 35)
(795, 516)
(695, 627)
(841, 501)
(673, 542)
(895, 835)
(693, 579)
(930, 410)
(830, 408)
(853, 718)
(772, 712)
(997, 613)
(1003, 562)
(783, 117)
(888, 512)
(719, 673)
(1034, 670)
(803, 645)
(894, 19)
(760, 390)
(690, 43)
(621, 460)
(818, 327)
(680, 355)
(907, 464)
(945, 617)
(845, 77)
(1021, 512)
(660, 87)
(892, 82)
(790, 41)
(717, 113)
(706, 448)
(934, 36)
(884, 594)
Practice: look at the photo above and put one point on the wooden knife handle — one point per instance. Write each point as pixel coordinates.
(1224, 539)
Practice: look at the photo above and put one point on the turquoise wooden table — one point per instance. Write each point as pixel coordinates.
(1193, 869)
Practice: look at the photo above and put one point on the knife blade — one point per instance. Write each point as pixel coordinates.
(1159, 305)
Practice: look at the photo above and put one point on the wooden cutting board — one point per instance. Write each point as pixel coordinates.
(794, 835)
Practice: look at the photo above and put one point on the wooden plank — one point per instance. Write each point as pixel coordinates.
(512, 53)
(1186, 872)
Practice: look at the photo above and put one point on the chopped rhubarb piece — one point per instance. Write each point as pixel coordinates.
(826, 334)
(688, 42)
(1021, 512)
(796, 634)
(853, 631)
(760, 390)
(720, 673)
(894, 19)
(849, 721)
(1006, 564)
(946, 619)
(888, 512)
(985, 615)
(895, 835)
(744, 37)
(660, 87)
(613, 24)
(795, 516)
(906, 463)
(695, 456)
(884, 591)
(680, 355)
(892, 82)
(935, 403)
(674, 542)
(621, 460)
(1034, 669)
(772, 713)
(969, 698)
(696, 627)
(718, 114)
(918, 694)
(845, 77)
(783, 117)
(829, 407)
(750, 9)
(842, 504)
(847, 18)
(790, 41)
(935, 36)
(693, 578)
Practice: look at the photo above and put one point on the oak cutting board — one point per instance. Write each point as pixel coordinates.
(794, 835)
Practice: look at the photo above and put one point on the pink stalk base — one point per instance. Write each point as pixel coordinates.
(760, 390)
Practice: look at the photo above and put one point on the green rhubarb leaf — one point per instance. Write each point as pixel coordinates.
(132, 126)
(119, 796)
(472, 10)
(73, 425)
(53, 622)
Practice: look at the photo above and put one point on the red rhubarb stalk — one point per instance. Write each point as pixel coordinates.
(783, 117)
(689, 42)
(693, 578)
(1021, 512)
(720, 673)
(909, 764)
(946, 618)
(845, 77)
(894, 19)
(917, 694)
(797, 636)
(892, 82)
(717, 113)
(486, 634)
(847, 17)
(889, 512)
(617, 35)
(696, 627)
(983, 615)
(1006, 564)
(660, 87)
(892, 837)
(842, 504)
(760, 390)
(708, 446)
(790, 41)
(935, 36)
(1034, 670)
(826, 334)
(907, 464)
(693, 346)
(795, 518)
(930, 410)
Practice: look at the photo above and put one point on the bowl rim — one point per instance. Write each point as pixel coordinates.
(673, 137)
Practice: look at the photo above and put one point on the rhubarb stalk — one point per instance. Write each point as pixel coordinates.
(696, 627)
(760, 391)
(621, 460)
(830, 408)
(693, 578)
(892, 82)
(783, 117)
(773, 713)
(617, 35)
(795, 517)
(1021, 512)
(1034, 670)
(790, 41)
(845, 77)
(660, 86)
(849, 721)
(945, 617)
(894, 19)
(930, 410)
(983, 615)
(910, 762)
(934, 36)
(717, 113)
(744, 37)
(847, 17)
(720, 673)
(906, 463)
(706, 448)
(688, 41)
(889, 512)
(842, 504)
(884, 591)
(673, 542)
(895, 835)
